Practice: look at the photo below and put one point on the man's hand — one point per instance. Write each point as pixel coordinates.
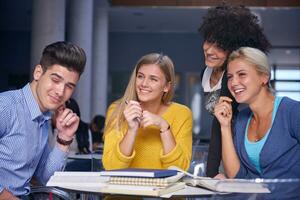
(6, 195)
(66, 123)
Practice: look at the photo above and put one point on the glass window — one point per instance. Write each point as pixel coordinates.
(287, 81)
(292, 95)
(287, 74)
(287, 86)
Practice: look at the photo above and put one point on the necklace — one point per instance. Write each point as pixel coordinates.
(257, 137)
(259, 129)
(260, 126)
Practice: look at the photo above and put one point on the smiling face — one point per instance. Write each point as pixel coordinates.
(53, 87)
(244, 82)
(214, 55)
(150, 83)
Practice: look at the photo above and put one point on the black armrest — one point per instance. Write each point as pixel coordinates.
(35, 190)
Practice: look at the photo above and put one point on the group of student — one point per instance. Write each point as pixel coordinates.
(145, 128)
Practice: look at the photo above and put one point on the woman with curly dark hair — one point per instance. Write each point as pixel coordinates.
(224, 29)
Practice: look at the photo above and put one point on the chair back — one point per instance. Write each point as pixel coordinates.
(199, 160)
(44, 192)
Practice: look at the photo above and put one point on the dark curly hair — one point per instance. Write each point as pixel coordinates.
(232, 27)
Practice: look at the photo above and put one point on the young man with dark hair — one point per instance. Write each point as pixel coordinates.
(24, 150)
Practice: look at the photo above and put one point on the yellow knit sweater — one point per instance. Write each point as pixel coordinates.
(148, 150)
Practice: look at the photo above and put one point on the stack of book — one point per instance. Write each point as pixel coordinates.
(144, 182)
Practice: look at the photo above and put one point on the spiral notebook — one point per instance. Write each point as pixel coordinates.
(142, 181)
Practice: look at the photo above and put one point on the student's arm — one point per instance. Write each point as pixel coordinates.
(167, 138)
(229, 156)
(132, 114)
(215, 145)
(112, 157)
(116, 154)
(127, 143)
(181, 130)
(4, 194)
(51, 160)
(223, 112)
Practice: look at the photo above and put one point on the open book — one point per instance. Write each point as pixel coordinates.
(226, 185)
(229, 185)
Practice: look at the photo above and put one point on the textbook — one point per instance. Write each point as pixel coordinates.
(137, 172)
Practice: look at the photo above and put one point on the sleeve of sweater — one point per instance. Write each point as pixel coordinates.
(112, 157)
(181, 127)
(243, 171)
(238, 140)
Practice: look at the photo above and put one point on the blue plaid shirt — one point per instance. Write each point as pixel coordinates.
(24, 149)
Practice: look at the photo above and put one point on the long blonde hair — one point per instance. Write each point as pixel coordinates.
(117, 119)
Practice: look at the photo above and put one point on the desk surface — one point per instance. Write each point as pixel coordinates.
(287, 189)
(84, 156)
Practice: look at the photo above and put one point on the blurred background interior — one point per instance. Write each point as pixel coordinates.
(116, 33)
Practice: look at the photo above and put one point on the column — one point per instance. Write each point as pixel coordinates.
(100, 58)
(80, 32)
(48, 25)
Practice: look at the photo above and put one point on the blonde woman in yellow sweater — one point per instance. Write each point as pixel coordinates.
(145, 129)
